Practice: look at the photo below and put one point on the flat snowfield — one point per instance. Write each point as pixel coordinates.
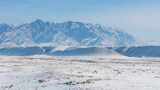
(78, 73)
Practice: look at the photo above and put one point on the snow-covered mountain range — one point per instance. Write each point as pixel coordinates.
(74, 34)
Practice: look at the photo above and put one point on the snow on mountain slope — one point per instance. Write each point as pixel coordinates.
(89, 51)
(62, 34)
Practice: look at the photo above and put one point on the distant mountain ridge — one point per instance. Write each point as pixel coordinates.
(52, 51)
(40, 33)
(138, 51)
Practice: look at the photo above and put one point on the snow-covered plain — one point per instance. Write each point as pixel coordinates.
(78, 73)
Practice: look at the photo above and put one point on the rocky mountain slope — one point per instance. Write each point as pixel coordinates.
(74, 34)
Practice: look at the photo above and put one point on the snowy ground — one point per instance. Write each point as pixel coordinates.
(75, 73)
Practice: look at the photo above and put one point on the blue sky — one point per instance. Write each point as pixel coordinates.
(138, 17)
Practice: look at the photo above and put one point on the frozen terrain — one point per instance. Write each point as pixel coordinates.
(79, 73)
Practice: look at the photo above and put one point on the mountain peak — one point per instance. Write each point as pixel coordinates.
(38, 22)
(4, 27)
